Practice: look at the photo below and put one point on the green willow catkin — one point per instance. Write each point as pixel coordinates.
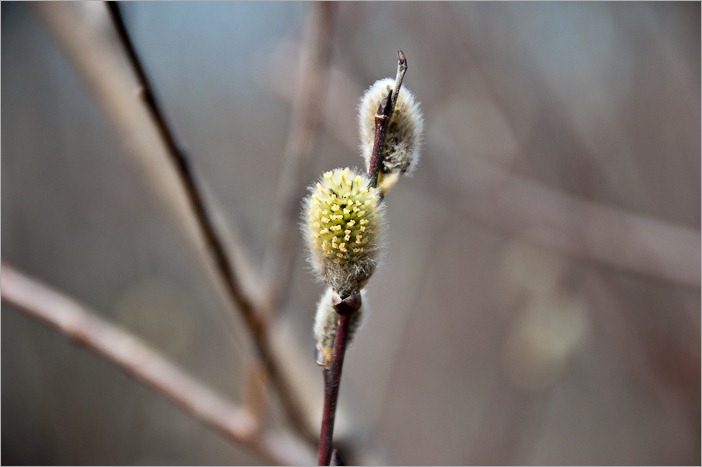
(342, 218)
(401, 151)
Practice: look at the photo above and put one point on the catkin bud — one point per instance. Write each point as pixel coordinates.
(326, 322)
(403, 135)
(342, 219)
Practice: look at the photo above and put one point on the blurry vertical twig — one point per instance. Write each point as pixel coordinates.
(146, 365)
(299, 149)
(100, 64)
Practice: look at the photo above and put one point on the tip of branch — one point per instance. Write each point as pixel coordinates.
(401, 58)
(401, 70)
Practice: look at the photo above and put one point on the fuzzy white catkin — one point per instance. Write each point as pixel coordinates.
(341, 224)
(403, 137)
(326, 322)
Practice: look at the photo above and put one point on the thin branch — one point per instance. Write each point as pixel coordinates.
(332, 374)
(188, 180)
(399, 77)
(143, 363)
(584, 230)
(299, 149)
(326, 435)
(101, 65)
(382, 120)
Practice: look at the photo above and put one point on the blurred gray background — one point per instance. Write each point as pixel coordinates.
(481, 346)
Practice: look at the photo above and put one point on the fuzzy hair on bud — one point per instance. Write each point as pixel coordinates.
(326, 322)
(404, 132)
(342, 219)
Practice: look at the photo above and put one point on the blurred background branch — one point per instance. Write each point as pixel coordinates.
(313, 58)
(146, 365)
(99, 59)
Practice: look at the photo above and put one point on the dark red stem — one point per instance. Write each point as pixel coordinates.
(332, 381)
(382, 118)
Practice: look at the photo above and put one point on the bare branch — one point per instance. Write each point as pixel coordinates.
(400, 76)
(101, 64)
(382, 119)
(299, 149)
(186, 174)
(345, 308)
(581, 229)
(143, 363)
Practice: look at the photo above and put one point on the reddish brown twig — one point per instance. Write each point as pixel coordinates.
(143, 363)
(332, 374)
(382, 120)
(382, 117)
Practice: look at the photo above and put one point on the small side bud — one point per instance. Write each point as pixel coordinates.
(326, 322)
(342, 218)
(401, 150)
